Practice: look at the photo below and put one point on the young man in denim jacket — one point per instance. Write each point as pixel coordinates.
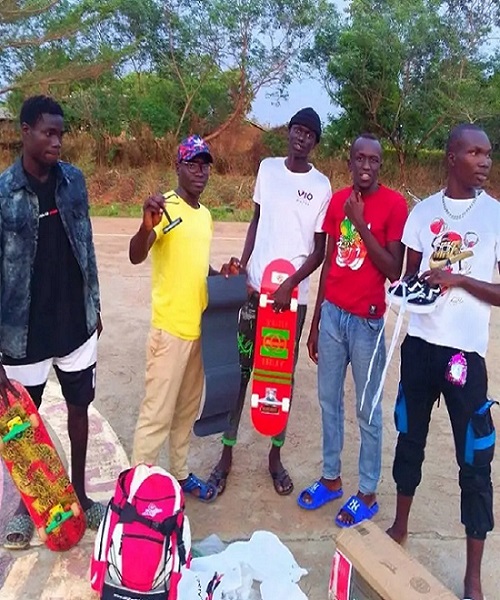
(49, 290)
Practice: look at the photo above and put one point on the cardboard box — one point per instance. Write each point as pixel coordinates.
(368, 565)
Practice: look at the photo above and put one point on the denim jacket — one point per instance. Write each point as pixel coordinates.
(19, 214)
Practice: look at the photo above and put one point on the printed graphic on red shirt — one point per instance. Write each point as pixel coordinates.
(451, 251)
(351, 248)
(353, 282)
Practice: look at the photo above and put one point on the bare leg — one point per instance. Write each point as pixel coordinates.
(78, 430)
(472, 580)
(399, 530)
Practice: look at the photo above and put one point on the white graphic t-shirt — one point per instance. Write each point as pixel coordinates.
(292, 210)
(468, 243)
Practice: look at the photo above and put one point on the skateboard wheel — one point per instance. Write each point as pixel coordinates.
(263, 300)
(42, 534)
(34, 420)
(294, 304)
(75, 509)
(254, 400)
(285, 405)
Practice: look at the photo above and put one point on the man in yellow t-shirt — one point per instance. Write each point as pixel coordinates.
(177, 230)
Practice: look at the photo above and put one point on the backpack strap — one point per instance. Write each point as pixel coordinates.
(181, 548)
(128, 514)
(178, 558)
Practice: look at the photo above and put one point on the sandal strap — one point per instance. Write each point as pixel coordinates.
(94, 515)
(319, 494)
(216, 476)
(279, 479)
(313, 488)
(355, 506)
(280, 475)
(20, 525)
(193, 482)
(358, 509)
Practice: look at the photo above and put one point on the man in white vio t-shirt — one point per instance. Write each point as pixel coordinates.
(291, 198)
(453, 239)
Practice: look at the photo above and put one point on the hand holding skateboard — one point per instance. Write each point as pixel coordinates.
(233, 267)
(282, 297)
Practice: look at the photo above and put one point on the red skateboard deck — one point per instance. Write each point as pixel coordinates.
(38, 473)
(274, 353)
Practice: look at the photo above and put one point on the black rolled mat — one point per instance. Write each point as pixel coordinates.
(219, 342)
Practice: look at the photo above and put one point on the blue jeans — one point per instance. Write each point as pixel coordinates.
(345, 338)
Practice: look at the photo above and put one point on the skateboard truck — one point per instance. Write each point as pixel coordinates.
(58, 516)
(270, 400)
(264, 300)
(171, 224)
(17, 427)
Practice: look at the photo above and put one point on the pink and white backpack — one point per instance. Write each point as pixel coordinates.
(144, 538)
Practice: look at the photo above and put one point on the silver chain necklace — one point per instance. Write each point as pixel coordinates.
(462, 214)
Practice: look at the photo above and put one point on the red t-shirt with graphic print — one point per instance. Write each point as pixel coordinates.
(354, 283)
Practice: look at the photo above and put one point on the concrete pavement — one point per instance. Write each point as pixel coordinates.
(249, 503)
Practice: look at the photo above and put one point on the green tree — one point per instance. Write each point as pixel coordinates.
(255, 42)
(116, 63)
(53, 42)
(406, 69)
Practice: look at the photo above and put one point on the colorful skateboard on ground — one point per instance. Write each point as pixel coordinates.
(274, 353)
(38, 473)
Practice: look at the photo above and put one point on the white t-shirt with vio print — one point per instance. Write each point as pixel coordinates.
(468, 244)
(292, 210)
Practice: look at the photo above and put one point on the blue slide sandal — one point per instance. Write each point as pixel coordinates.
(193, 483)
(358, 510)
(320, 495)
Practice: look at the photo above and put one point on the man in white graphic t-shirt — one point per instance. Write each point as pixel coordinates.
(453, 240)
(291, 198)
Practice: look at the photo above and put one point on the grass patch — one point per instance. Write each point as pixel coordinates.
(219, 213)
(116, 210)
(115, 193)
(229, 213)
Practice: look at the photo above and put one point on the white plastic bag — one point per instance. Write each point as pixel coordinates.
(264, 558)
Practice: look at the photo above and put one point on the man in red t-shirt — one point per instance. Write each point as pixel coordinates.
(364, 224)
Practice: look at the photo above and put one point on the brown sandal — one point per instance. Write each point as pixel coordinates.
(218, 478)
(280, 479)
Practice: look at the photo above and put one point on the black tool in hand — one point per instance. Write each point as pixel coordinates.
(171, 224)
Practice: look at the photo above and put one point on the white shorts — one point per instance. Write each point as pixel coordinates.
(37, 373)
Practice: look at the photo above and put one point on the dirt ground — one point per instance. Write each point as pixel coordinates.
(249, 502)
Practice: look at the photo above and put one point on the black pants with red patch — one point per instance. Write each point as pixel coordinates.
(423, 380)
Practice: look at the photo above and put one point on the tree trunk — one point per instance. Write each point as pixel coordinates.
(401, 153)
(238, 111)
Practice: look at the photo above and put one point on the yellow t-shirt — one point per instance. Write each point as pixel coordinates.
(180, 263)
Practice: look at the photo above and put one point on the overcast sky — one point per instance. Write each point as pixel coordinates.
(308, 92)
